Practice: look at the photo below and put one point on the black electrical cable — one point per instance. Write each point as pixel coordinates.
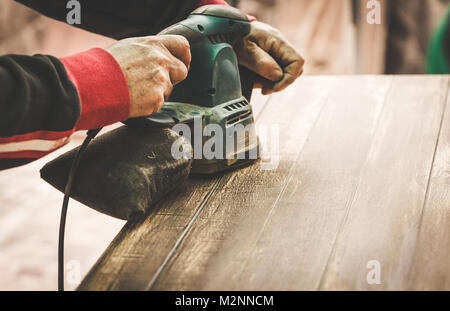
(62, 225)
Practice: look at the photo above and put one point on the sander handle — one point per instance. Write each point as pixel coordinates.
(248, 78)
(215, 76)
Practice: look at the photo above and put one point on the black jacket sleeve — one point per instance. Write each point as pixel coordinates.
(36, 95)
(119, 18)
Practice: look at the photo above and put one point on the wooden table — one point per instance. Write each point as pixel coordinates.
(362, 186)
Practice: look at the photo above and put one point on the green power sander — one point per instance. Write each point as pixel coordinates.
(216, 92)
(126, 170)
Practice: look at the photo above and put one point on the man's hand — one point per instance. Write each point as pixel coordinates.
(152, 67)
(266, 52)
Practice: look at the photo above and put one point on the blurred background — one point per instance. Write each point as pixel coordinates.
(334, 37)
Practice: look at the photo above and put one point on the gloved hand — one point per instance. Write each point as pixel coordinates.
(266, 52)
(152, 66)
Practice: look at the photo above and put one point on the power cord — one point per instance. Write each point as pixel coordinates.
(62, 225)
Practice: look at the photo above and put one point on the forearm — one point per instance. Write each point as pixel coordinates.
(43, 100)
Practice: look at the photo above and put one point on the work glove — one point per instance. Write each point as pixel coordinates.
(268, 53)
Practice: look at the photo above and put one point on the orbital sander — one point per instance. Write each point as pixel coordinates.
(216, 92)
(123, 172)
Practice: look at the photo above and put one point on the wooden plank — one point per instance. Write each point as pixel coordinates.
(298, 238)
(319, 218)
(142, 271)
(236, 244)
(141, 247)
(122, 266)
(382, 221)
(431, 265)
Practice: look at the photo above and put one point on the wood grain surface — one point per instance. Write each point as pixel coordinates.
(362, 178)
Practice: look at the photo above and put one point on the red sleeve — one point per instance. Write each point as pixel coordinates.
(206, 2)
(102, 88)
(221, 2)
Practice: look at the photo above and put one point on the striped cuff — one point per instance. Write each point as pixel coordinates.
(32, 145)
